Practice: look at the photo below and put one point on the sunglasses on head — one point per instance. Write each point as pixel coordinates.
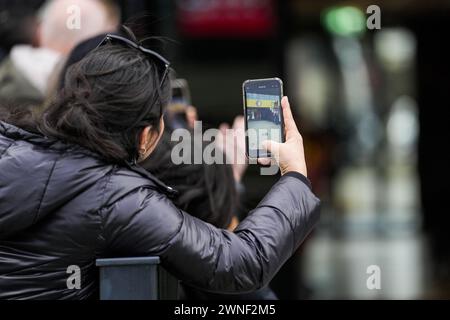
(162, 63)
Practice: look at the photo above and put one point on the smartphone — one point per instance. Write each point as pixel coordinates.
(181, 99)
(263, 114)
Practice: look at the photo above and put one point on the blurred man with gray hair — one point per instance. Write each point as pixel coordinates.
(25, 74)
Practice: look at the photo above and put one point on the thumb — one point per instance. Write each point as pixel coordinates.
(272, 146)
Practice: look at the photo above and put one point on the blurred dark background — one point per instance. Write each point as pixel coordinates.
(371, 105)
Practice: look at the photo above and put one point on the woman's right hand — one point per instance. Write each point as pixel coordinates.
(290, 155)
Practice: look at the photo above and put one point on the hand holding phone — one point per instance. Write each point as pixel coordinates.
(289, 155)
(271, 129)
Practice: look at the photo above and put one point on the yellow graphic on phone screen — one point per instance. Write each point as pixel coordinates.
(262, 101)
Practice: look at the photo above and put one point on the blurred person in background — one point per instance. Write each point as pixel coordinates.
(26, 74)
(18, 24)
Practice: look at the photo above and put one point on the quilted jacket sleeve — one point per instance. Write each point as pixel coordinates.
(216, 260)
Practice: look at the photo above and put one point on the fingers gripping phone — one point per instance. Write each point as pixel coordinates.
(263, 114)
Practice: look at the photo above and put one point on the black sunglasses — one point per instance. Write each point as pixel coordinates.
(163, 63)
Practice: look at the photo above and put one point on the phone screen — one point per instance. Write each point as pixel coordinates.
(263, 114)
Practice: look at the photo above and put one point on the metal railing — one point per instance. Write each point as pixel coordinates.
(140, 278)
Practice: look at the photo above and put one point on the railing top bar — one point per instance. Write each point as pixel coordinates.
(127, 261)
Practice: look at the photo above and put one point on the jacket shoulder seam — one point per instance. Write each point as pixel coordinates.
(124, 196)
(99, 210)
(45, 190)
(6, 149)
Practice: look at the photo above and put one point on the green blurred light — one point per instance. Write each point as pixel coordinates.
(344, 21)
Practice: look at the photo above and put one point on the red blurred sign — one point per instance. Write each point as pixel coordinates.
(226, 18)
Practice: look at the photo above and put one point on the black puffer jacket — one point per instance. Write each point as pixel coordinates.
(60, 205)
